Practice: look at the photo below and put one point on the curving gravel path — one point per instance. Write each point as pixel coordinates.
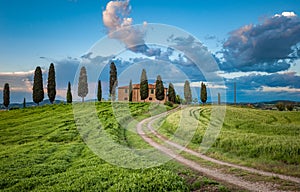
(214, 173)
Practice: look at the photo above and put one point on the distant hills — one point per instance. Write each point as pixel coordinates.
(29, 104)
(277, 101)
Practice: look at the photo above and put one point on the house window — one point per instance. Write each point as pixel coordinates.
(125, 98)
(152, 91)
(126, 90)
(150, 98)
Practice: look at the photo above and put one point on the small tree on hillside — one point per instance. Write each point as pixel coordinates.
(187, 92)
(144, 89)
(6, 95)
(290, 106)
(203, 93)
(159, 89)
(171, 93)
(69, 93)
(219, 99)
(82, 84)
(280, 106)
(51, 87)
(24, 102)
(113, 81)
(38, 90)
(130, 91)
(99, 91)
(178, 99)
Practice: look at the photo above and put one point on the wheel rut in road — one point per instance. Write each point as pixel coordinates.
(213, 173)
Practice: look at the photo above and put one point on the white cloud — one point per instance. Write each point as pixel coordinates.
(18, 81)
(198, 84)
(279, 89)
(19, 73)
(119, 25)
(234, 75)
(286, 14)
(269, 46)
(114, 16)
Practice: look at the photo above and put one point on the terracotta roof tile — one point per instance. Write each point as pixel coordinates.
(137, 86)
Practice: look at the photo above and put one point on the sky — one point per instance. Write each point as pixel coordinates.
(254, 43)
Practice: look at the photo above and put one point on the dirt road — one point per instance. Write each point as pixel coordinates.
(213, 173)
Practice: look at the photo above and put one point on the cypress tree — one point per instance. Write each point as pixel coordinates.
(203, 93)
(24, 102)
(6, 95)
(51, 87)
(144, 89)
(187, 92)
(130, 91)
(219, 99)
(99, 92)
(82, 84)
(69, 93)
(159, 89)
(38, 90)
(171, 93)
(113, 81)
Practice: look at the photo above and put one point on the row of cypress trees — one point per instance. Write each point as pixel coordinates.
(38, 90)
(113, 83)
(159, 89)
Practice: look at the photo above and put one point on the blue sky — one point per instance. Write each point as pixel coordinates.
(35, 32)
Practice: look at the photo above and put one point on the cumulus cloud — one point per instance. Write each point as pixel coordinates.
(270, 46)
(196, 60)
(286, 14)
(265, 87)
(119, 25)
(20, 84)
(115, 15)
(65, 70)
(257, 81)
(21, 81)
(195, 53)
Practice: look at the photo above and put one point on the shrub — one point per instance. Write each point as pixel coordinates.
(290, 107)
(168, 103)
(280, 106)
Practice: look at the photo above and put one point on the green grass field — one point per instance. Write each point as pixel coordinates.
(268, 140)
(41, 149)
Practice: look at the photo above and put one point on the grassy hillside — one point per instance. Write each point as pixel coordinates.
(41, 150)
(267, 140)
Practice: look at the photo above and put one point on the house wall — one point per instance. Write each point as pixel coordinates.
(123, 95)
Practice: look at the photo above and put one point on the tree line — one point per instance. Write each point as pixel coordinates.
(38, 89)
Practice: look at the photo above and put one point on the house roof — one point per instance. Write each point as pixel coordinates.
(137, 86)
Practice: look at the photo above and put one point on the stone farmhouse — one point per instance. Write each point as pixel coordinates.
(123, 93)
